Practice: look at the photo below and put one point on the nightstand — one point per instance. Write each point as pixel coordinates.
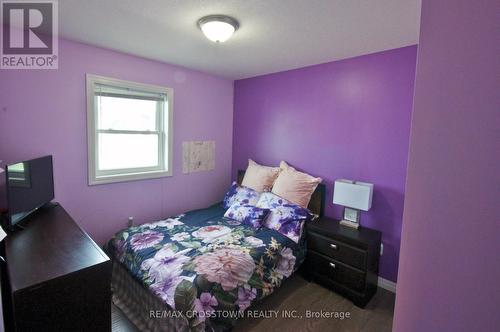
(343, 259)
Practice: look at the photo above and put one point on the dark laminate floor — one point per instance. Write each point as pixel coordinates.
(300, 295)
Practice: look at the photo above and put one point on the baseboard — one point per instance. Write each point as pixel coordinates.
(387, 285)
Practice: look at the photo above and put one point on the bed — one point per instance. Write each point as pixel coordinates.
(199, 271)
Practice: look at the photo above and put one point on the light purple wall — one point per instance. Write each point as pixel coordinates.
(449, 267)
(44, 112)
(343, 119)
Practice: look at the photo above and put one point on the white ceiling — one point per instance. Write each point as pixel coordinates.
(274, 35)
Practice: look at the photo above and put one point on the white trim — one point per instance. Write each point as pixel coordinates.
(165, 123)
(387, 285)
(129, 177)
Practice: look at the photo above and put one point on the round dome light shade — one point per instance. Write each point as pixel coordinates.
(218, 28)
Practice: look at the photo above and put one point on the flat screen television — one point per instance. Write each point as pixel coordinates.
(30, 185)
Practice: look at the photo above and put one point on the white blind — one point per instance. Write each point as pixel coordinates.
(122, 92)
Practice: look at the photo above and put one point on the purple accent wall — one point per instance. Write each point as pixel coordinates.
(343, 119)
(449, 267)
(44, 112)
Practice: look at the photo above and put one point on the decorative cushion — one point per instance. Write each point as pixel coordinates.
(241, 195)
(295, 186)
(285, 217)
(258, 177)
(247, 214)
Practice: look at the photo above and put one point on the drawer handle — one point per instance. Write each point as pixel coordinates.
(333, 246)
(332, 264)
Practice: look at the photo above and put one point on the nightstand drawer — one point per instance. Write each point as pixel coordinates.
(337, 250)
(336, 271)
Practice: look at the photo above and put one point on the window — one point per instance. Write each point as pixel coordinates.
(129, 130)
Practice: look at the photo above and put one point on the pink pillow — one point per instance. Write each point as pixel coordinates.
(295, 186)
(259, 178)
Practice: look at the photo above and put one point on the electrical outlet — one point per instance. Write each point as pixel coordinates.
(130, 221)
(381, 249)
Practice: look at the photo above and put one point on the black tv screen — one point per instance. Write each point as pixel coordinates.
(30, 185)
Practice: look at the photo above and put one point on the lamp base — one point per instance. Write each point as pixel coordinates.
(348, 223)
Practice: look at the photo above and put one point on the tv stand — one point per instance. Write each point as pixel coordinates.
(50, 205)
(56, 278)
(20, 225)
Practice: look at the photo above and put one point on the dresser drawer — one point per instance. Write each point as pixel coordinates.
(336, 271)
(337, 250)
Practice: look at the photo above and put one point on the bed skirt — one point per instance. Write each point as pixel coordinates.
(143, 308)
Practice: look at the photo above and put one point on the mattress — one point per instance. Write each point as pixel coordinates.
(198, 270)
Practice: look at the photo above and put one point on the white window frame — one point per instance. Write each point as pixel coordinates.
(164, 130)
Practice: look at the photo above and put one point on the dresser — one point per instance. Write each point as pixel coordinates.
(55, 277)
(343, 259)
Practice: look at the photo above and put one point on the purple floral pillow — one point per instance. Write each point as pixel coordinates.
(285, 217)
(247, 214)
(241, 195)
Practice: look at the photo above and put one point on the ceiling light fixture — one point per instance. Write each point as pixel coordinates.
(218, 28)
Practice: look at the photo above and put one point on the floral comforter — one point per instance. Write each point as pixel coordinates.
(206, 266)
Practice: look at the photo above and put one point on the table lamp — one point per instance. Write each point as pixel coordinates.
(354, 196)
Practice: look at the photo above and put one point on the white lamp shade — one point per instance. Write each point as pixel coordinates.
(1, 170)
(355, 195)
(217, 31)
(218, 28)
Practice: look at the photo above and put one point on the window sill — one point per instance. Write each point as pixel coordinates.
(128, 177)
